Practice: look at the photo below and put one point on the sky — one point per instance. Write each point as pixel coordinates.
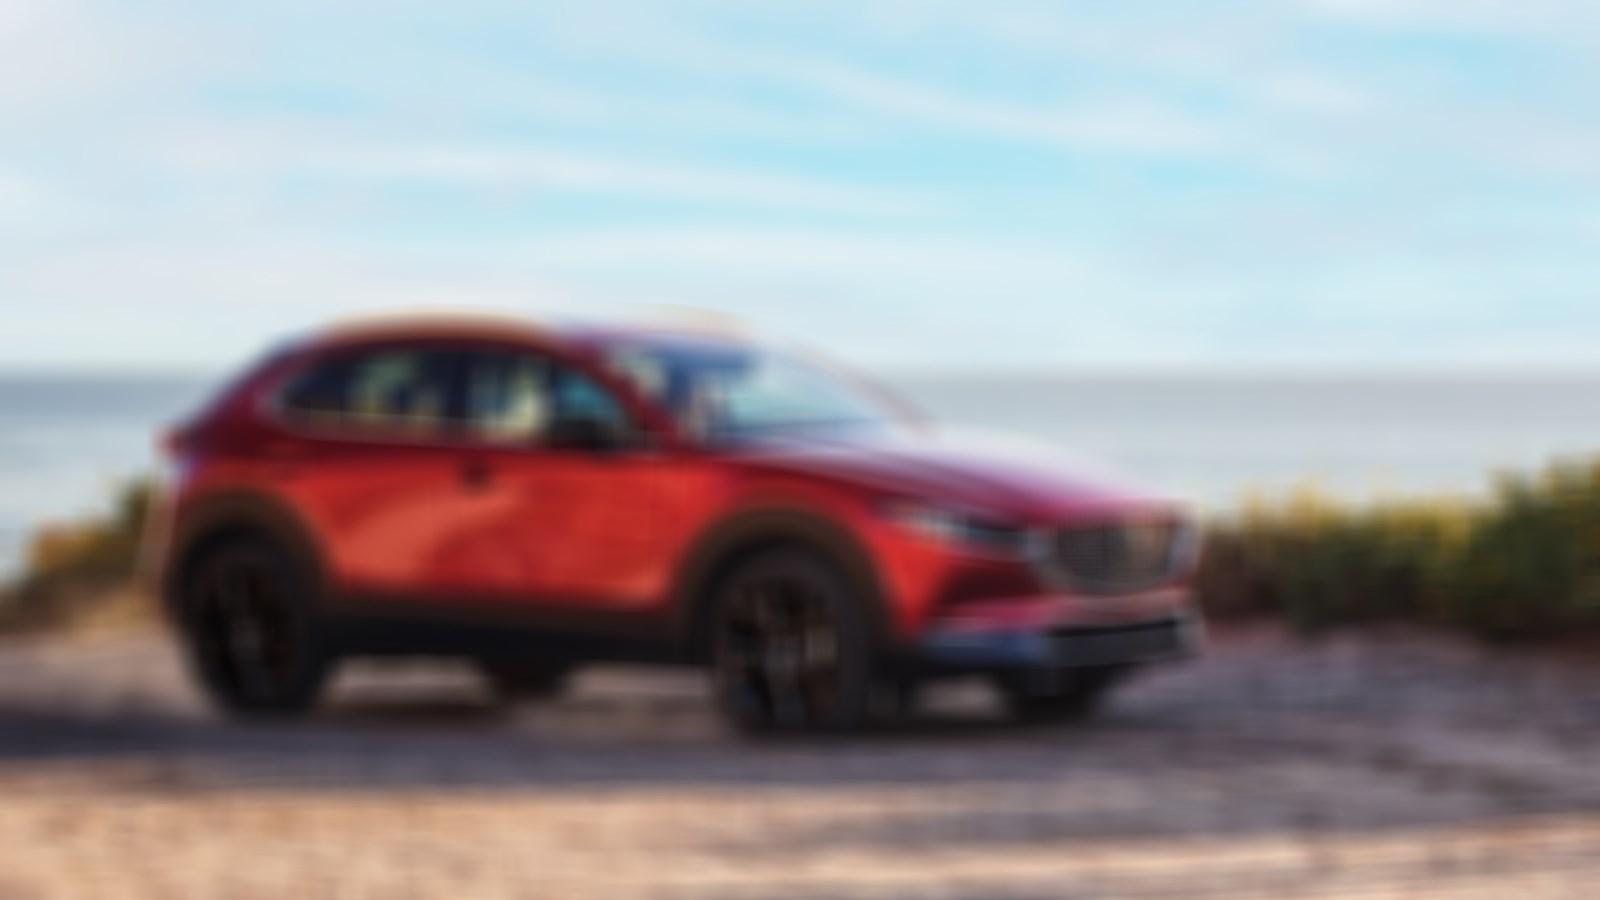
(910, 183)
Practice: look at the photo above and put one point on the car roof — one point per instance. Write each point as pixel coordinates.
(426, 326)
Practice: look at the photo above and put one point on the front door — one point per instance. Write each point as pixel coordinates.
(567, 507)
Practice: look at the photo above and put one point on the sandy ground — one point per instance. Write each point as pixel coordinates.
(1394, 766)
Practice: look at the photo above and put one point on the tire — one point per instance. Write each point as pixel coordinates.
(1057, 695)
(791, 649)
(516, 680)
(253, 641)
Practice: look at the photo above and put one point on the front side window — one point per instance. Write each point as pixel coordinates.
(386, 390)
(527, 400)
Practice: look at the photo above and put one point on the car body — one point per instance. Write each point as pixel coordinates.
(536, 496)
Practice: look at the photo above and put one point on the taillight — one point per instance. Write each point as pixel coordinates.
(175, 441)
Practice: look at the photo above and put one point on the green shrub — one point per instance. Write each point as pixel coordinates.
(1524, 562)
(72, 566)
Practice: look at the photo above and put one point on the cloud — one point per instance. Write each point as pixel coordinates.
(1500, 16)
(868, 256)
(63, 57)
(542, 170)
(1315, 93)
(528, 170)
(159, 304)
(1129, 125)
(874, 297)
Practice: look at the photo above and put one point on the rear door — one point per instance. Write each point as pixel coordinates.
(368, 455)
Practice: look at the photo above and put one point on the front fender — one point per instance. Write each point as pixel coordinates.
(723, 546)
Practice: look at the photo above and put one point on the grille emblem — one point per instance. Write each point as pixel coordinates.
(1114, 558)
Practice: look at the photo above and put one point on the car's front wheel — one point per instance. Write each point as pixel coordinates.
(791, 648)
(253, 641)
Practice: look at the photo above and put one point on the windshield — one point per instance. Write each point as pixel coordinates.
(720, 393)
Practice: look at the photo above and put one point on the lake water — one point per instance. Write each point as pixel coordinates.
(66, 441)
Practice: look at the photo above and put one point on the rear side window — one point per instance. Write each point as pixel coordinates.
(405, 391)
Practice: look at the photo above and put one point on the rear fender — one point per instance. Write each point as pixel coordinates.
(212, 519)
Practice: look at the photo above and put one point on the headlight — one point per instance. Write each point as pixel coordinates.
(960, 529)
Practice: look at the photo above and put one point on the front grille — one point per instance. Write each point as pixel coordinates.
(1119, 557)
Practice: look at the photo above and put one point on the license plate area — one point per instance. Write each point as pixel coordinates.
(1109, 646)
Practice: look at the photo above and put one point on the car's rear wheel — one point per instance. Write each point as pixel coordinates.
(254, 643)
(1057, 695)
(791, 647)
(515, 680)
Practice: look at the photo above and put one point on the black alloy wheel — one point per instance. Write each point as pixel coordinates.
(253, 644)
(791, 650)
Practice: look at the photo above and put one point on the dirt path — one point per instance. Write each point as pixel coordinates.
(1379, 767)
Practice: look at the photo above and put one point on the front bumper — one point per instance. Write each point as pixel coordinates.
(1169, 637)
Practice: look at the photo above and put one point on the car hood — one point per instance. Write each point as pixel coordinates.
(1006, 477)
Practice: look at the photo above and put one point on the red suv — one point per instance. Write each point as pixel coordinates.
(533, 498)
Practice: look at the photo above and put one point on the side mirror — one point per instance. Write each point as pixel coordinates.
(583, 433)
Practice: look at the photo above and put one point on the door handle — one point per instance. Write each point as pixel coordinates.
(476, 474)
